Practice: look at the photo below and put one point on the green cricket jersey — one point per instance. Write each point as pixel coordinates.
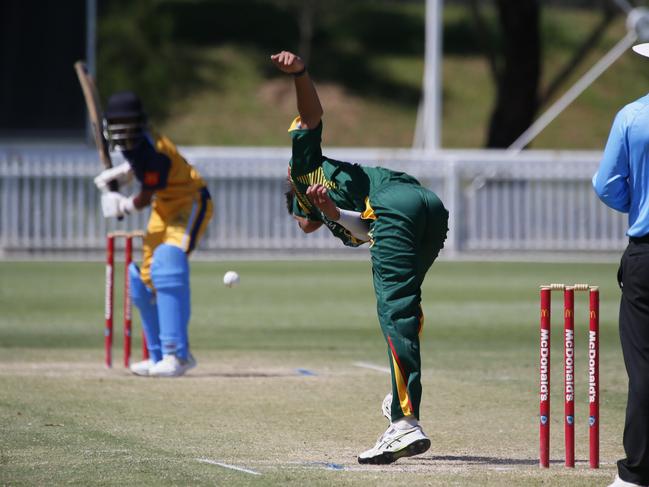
(349, 185)
(408, 229)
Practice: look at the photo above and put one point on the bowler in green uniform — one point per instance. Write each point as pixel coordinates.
(405, 225)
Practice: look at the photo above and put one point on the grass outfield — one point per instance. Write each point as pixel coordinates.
(65, 419)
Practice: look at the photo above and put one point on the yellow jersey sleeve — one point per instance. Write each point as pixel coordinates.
(183, 179)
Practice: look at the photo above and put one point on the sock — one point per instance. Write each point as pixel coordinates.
(406, 422)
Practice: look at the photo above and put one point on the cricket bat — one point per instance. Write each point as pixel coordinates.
(91, 96)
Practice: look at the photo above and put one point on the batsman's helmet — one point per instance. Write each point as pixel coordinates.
(125, 122)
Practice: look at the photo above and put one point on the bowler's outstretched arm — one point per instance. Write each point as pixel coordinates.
(308, 103)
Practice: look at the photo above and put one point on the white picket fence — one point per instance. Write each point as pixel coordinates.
(535, 201)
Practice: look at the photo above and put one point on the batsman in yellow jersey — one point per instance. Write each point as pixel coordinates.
(181, 209)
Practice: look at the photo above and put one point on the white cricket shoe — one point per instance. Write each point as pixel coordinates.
(172, 366)
(396, 443)
(618, 482)
(386, 407)
(142, 368)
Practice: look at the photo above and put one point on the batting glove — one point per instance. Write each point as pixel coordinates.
(122, 174)
(115, 205)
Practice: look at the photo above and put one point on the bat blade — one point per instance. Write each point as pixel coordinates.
(93, 105)
(91, 97)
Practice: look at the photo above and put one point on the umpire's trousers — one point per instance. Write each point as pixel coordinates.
(633, 277)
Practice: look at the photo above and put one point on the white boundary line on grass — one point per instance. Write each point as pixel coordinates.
(379, 368)
(225, 465)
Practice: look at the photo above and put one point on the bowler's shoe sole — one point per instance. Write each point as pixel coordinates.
(416, 448)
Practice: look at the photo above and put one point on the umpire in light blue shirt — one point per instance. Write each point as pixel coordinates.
(622, 183)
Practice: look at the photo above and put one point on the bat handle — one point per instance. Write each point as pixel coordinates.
(113, 186)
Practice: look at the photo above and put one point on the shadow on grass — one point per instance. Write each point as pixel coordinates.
(241, 375)
(478, 460)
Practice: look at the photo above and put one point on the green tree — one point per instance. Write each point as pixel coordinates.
(136, 52)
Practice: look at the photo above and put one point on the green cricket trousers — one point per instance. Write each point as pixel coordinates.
(408, 232)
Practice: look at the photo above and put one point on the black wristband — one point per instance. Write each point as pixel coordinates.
(300, 73)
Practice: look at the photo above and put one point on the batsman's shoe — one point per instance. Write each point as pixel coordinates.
(396, 443)
(142, 368)
(618, 482)
(172, 366)
(386, 407)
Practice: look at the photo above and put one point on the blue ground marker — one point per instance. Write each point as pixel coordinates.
(305, 372)
(327, 465)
